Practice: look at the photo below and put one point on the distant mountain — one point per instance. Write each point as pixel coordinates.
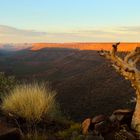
(86, 46)
(86, 84)
(14, 47)
(80, 46)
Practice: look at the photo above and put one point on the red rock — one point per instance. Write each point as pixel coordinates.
(85, 126)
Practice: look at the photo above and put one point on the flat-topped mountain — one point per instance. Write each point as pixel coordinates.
(86, 46)
(81, 46)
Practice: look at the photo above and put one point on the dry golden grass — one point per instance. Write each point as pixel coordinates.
(32, 102)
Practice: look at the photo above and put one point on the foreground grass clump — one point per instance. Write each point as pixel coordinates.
(31, 102)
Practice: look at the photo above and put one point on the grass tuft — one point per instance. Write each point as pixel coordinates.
(31, 102)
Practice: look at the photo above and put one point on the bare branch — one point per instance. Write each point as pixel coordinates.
(127, 68)
(132, 57)
(114, 50)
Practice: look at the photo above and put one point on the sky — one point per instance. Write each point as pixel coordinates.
(27, 21)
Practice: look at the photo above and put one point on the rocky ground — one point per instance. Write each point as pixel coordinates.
(101, 127)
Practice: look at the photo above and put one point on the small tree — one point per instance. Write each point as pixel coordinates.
(127, 68)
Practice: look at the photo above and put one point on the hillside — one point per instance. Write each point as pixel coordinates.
(85, 82)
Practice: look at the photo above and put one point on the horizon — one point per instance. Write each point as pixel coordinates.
(53, 21)
(124, 46)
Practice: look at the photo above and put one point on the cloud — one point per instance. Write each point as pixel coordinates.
(13, 35)
(127, 33)
(7, 30)
(114, 30)
(103, 34)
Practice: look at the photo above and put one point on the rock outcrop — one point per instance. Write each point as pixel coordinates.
(114, 127)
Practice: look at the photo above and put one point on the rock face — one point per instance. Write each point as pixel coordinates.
(11, 134)
(115, 127)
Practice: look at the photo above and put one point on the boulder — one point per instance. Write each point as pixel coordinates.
(98, 119)
(95, 125)
(123, 116)
(103, 127)
(110, 136)
(124, 135)
(91, 137)
(130, 136)
(85, 126)
(120, 135)
(11, 134)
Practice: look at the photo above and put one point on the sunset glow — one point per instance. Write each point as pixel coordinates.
(57, 21)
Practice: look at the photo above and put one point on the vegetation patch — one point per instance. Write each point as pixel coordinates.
(73, 131)
(7, 83)
(33, 102)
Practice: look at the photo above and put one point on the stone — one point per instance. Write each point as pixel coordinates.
(85, 126)
(124, 135)
(11, 134)
(103, 127)
(120, 135)
(110, 136)
(99, 124)
(91, 137)
(98, 119)
(123, 116)
(130, 136)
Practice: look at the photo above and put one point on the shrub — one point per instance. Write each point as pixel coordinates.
(31, 102)
(6, 84)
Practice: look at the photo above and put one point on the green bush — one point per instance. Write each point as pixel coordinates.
(7, 83)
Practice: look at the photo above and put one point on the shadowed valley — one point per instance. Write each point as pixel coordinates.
(86, 84)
